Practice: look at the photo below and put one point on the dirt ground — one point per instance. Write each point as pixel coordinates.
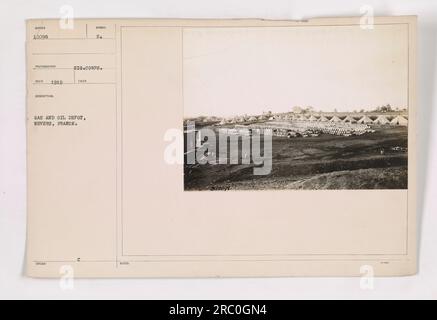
(371, 161)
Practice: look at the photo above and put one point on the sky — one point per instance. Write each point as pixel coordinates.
(236, 71)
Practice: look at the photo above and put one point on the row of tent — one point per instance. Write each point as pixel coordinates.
(398, 120)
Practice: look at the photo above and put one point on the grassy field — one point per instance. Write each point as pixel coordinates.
(371, 161)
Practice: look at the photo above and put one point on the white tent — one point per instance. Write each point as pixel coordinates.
(381, 120)
(312, 118)
(335, 119)
(365, 119)
(399, 120)
(252, 119)
(349, 119)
